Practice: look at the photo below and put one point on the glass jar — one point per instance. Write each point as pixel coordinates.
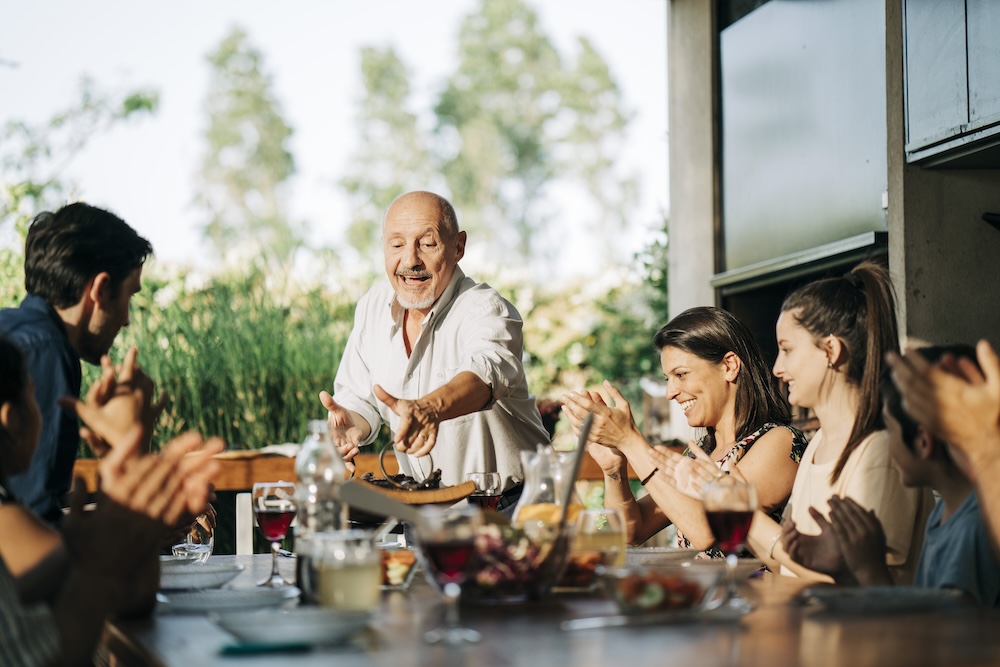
(343, 570)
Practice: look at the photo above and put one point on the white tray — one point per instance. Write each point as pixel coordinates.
(881, 599)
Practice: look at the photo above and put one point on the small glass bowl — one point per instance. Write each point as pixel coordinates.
(643, 589)
(399, 564)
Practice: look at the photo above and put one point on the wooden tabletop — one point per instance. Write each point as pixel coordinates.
(778, 633)
(239, 474)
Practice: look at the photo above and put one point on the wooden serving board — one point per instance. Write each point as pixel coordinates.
(445, 494)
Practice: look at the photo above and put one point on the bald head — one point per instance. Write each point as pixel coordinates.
(426, 201)
(422, 246)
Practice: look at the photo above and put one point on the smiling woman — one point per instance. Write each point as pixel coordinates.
(716, 372)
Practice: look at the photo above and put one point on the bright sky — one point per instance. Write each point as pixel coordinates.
(145, 171)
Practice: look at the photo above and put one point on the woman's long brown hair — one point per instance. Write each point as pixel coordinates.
(859, 308)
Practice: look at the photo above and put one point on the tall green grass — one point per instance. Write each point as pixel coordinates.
(241, 357)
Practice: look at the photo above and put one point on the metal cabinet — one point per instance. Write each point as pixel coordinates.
(952, 73)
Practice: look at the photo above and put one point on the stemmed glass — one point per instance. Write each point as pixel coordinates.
(274, 509)
(447, 541)
(729, 506)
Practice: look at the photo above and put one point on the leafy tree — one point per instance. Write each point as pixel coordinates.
(516, 118)
(496, 117)
(246, 162)
(33, 160)
(594, 141)
(392, 156)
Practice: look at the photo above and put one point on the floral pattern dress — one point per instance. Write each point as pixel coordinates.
(735, 453)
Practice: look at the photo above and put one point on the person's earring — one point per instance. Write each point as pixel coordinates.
(829, 364)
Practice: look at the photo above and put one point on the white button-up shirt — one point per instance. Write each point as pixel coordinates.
(469, 328)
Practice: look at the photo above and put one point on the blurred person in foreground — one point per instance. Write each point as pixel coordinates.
(956, 552)
(82, 265)
(57, 588)
(436, 356)
(960, 403)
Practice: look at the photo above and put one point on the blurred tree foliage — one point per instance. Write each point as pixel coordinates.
(241, 356)
(33, 161)
(246, 160)
(514, 120)
(393, 156)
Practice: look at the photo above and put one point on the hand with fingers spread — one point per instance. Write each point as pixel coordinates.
(861, 539)
(820, 552)
(954, 399)
(686, 474)
(417, 431)
(118, 400)
(613, 424)
(344, 431)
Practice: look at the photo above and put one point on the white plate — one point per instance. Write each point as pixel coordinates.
(225, 599)
(302, 625)
(744, 567)
(657, 555)
(182, 575)
(881, 599)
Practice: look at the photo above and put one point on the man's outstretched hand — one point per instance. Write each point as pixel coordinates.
(418, 424)
(346, 435)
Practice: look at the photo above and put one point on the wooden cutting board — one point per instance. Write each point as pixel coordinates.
(445, 494)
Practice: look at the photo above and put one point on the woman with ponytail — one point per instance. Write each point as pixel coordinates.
(833, 335)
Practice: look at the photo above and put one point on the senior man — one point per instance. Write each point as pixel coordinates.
(436, 356)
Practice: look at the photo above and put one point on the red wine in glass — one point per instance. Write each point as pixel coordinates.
(730, 528)
(450, 559)
(486, 501)
(274, 523)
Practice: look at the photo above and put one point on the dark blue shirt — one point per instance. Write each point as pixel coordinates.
(55, 369)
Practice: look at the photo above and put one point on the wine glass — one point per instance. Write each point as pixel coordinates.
(729, 506)
(488, 490)
(274, 509)
(601, 531)
(447, 541)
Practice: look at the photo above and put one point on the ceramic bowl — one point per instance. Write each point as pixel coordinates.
(301, 625)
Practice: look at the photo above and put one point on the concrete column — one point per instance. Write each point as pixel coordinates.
(692, 69)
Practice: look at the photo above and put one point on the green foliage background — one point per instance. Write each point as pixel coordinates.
(243, 353)
(240, 357)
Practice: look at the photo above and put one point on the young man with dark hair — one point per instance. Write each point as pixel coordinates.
(82, 265)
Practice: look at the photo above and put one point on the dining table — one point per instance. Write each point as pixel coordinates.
(781, 630)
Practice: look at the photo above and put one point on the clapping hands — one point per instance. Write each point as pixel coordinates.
(613, 423)
(118, 402)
